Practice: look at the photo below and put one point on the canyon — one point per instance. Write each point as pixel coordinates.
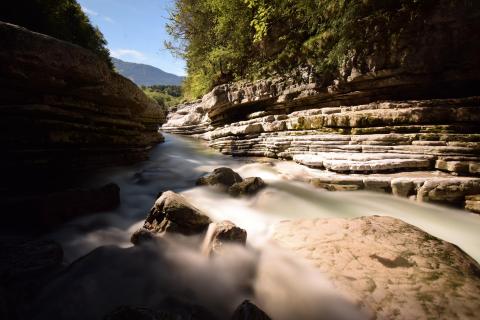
(404, 120)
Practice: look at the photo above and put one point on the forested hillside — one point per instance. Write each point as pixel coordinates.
(224, 41)
(146, 75)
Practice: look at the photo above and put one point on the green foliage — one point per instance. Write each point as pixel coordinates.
(164, 95)
(62, 19)
(224, 41)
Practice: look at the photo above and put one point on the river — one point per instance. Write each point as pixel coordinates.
(177, 163)
(115, 273)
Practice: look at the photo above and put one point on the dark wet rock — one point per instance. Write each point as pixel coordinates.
(132, 313)
(221, 233)
(172, 213)
(52, 209)
(223, 177)
(20, 258)
(142, 236)
(248, 186)
(169, 309)
(26, 266)
(249, 311)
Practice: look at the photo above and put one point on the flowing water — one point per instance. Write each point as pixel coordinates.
(175, 165)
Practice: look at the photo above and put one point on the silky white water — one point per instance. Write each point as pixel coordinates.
(176, 164)
(278, 282)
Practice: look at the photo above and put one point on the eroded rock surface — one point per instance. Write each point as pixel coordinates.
(394, 270)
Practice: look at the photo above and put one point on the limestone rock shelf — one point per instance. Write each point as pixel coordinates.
(414, 108)
(365, 145)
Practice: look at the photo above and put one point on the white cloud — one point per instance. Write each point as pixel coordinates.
(89, 12)
(128, 54)
(108, 19)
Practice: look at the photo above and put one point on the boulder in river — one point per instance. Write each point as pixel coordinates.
(169, 308)
(249, 311)
(223, 177)
(221, 233)
(172, 213)
(248, 186)
(393, 269)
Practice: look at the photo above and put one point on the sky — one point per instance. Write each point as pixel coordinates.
(135, 30)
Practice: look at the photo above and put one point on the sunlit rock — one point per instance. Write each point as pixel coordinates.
(393, 269)
(472, 203)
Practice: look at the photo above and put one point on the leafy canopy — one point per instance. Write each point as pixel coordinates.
(62, 19)
(224, 41)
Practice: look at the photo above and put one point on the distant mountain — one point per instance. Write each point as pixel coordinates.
(145, 75)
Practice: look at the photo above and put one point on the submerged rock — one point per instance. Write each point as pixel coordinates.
(248, 186)
(223, 177)
(249, 311)
(172, 213)
(393, 269)
(221, 233)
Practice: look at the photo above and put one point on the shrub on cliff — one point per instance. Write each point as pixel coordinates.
(62, 19)
(224, 41)
(168, 96)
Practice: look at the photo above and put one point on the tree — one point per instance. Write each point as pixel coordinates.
(225, 41)
(62, 19)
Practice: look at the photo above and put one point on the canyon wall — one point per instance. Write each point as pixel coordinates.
(411, 126)
(63, 114)
(62, 107)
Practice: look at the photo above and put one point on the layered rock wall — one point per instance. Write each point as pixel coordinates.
(62, 107)
(419, 112)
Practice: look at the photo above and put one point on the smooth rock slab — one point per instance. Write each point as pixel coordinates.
(391, 268)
